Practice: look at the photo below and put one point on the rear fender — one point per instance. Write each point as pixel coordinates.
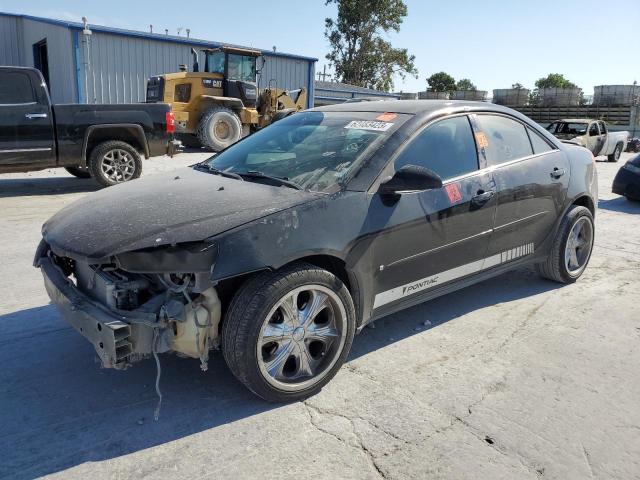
(127, 132)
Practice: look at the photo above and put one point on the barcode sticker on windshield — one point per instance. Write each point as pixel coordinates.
(369, 125)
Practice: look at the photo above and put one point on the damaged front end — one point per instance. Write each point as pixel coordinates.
(140, 303)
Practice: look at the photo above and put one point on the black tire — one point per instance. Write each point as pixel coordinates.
(99, 161)
(219, 127)
(615, 156)
(555, 267)
(248, 312)
(79, 172)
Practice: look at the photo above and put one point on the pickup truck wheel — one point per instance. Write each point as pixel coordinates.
(571, 248)
(615, 156)
(80, 172)
(219, 127)
(114, 162)
(288, 332)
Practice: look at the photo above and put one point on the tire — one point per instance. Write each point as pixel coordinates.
(79, 172)
(257, 313)
(219, 127)
(615, 156)
(557, 266)
(114, 162)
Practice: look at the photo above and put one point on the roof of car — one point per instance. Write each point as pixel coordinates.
(575, 120)
(411, 107)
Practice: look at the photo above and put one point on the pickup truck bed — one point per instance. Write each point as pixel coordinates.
(102, 141)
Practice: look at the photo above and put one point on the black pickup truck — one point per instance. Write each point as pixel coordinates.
(105, 142)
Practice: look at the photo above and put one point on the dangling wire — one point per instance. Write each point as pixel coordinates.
(156, 414)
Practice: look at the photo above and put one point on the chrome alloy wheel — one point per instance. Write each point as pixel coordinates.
(578, 247)
(118, 165)
(302, 337)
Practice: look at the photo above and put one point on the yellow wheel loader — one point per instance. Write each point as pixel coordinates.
(222, 103)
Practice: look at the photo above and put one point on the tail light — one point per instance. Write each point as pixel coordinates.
(171, 122)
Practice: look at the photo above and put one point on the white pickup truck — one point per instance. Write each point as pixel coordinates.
(591, 134)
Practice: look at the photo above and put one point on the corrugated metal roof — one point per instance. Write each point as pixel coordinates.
(151, 36)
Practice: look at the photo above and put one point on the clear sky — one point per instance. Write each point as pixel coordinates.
(494, 43)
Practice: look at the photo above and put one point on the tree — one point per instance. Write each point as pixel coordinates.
(465, 84)
(517, 86)
(554, 80)
(359, 53)
(441, 82)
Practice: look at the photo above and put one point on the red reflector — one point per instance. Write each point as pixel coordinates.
(171, 122)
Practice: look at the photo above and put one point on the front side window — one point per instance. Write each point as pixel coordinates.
(446, 147)
(593, 130)
(15, 88)
(603, 128)
(242, 67)
(317, 151)
(506, 139)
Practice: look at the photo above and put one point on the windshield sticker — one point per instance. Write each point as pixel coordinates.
(386, 117)
(481, 138)
(453, 192)
(369, 125)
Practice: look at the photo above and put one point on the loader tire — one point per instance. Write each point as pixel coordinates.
(219, 127)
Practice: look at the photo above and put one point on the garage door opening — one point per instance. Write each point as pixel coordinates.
(41, 60)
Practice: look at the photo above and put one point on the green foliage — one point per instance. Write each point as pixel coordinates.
(465, 84)
(359, 53)
(441, 82)
(554, 80)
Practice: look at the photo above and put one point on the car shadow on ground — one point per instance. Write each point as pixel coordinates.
(31, 186)
(60, 410)
(620, 204)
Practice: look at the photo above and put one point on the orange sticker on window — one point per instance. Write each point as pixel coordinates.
(481, 140)
(386, 117)
(453, 192)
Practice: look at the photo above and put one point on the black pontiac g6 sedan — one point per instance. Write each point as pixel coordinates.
(280, 248)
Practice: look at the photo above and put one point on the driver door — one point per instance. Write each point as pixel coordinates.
(436, 236)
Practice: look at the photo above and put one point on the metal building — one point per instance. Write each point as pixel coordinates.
(330, 93)
(111, 65)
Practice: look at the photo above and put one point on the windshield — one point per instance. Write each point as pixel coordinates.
(315, 150)
(566, 128)
(242, 67)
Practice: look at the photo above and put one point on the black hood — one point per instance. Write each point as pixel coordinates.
(185, 205)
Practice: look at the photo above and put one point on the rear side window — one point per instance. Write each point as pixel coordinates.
(538, 143)
(446, 147)
(505, 139)
(593, 130)
(603, 128)
(15, 87)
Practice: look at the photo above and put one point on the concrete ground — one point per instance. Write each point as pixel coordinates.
(513, 378)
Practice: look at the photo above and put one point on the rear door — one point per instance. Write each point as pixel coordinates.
(26, 129)
(436, 236)
(595, 139)
(531, 177)
(605, 147)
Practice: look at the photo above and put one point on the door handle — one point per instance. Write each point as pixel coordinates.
(482, 197)
(31, 116)
(557, 172)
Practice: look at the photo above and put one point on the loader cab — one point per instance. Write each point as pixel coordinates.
(238, 67)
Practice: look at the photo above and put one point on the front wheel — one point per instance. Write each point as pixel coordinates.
(114, 162)
(219, 127)
(287, 333)
(571, 248)
(615, 156)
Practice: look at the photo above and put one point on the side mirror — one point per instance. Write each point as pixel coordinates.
(411, 178)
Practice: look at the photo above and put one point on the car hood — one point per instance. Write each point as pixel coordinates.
(183, 206)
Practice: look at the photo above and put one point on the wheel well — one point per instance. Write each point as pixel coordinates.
(124, 134)
(585, 201)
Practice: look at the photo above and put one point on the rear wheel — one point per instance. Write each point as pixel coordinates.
(615, 156)
(219, 127)
(572, 247)
(80, 172)
(287, 333)
(114, 162)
